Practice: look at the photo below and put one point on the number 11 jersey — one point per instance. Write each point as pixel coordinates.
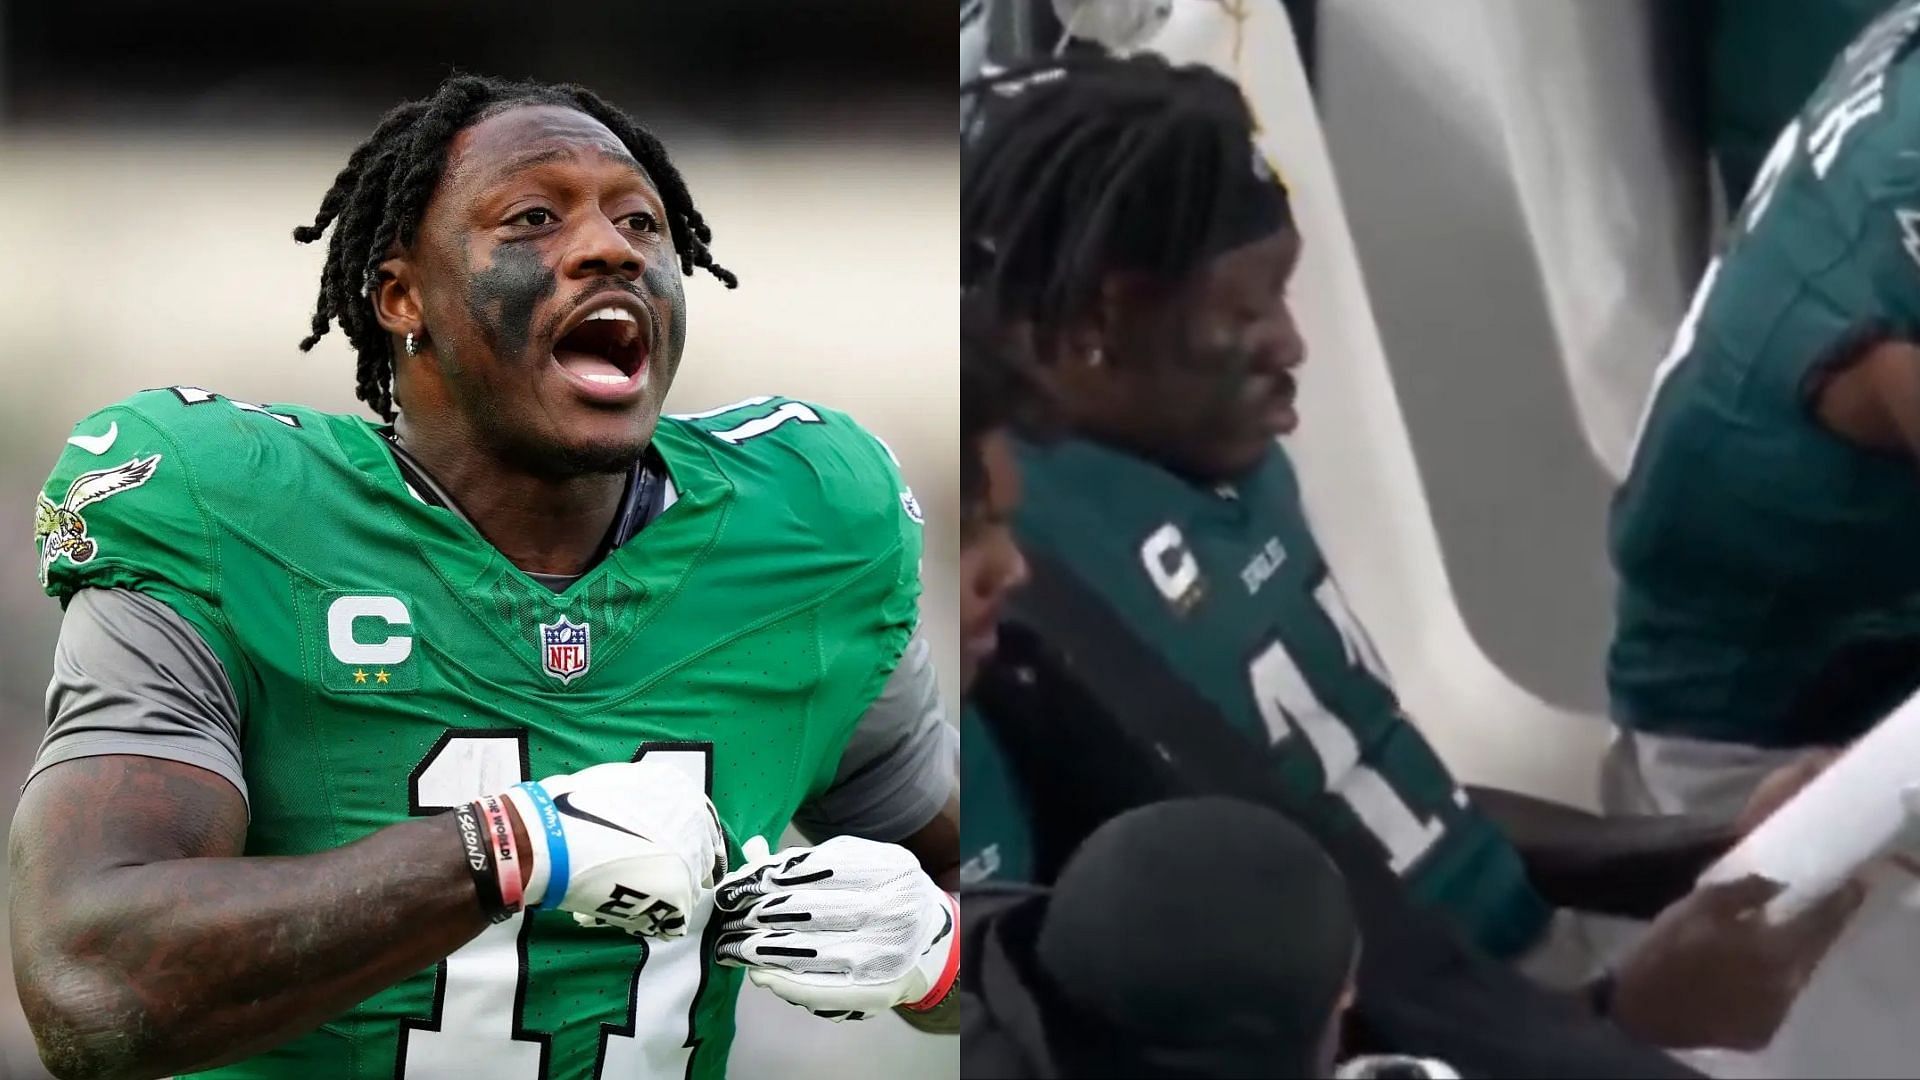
(1228, 589)
(388, 662)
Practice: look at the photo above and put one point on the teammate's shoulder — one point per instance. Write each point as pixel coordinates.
(803, 452)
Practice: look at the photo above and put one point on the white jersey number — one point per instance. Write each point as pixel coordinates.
(477, 1031)
(759, 425)
(1287, 703)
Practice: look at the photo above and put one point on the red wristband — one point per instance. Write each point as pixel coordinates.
(944, 985)
(506, 853)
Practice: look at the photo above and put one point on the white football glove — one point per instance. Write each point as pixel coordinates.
(621, 846)
(845, 929)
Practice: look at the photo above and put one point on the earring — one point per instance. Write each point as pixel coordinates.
(413, 347)
(1096, 357)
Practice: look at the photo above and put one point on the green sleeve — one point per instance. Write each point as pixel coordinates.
(867, 626)
(131, 516)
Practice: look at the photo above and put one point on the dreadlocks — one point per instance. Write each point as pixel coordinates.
(1082, 167)
(376, 202)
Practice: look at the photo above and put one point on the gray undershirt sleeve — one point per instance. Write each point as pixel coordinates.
(899, 767)
(132, 677)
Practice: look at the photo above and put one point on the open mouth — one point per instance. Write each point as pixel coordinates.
(606, 349)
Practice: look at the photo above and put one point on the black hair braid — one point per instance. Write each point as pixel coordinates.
(1080, 167)
(377, 199)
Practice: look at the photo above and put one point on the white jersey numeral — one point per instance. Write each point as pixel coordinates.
(193, 395)
(760, 425)
(477, 1031)
(1287, 702)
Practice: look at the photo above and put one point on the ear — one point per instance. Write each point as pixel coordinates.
(396, 297)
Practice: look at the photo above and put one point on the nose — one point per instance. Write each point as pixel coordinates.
(1283, 346)
(600, 249)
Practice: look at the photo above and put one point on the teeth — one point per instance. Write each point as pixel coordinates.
(600, 377)
(621, 314)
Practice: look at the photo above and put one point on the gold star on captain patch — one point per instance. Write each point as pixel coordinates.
(359, 676)
(380, 676)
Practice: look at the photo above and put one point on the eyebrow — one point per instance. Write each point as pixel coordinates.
(534, 158)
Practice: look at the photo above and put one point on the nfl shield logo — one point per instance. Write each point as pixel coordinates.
(563, 648)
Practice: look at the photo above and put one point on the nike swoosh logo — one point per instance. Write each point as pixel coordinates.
(944, 930)
(98, 444)
(563, 802)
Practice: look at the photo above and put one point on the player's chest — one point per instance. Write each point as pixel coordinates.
(1242, 607)
(402, 706)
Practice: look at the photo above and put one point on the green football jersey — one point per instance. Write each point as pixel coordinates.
(1763, 58)
(389, 662)
(1756, 550)
(996, 840)
(1230, 590)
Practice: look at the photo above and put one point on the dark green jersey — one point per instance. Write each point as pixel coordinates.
(1229, 590)
(1764, 58)
(996, 840)
(389, 662)
(1760, 555)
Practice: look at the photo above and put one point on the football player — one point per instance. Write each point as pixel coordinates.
(1128, 231)
(362, 734)
(1766, 603)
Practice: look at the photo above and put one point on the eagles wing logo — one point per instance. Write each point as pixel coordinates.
(61, 527)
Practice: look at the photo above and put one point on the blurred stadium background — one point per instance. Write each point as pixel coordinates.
(154, 159)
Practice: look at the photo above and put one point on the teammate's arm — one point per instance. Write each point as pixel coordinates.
(144, 945)
(1874, 399)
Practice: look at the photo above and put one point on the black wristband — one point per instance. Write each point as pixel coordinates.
(479, 854)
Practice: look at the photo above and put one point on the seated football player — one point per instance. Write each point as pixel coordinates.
(289, 818)
(1126, 230)
(1047, 764)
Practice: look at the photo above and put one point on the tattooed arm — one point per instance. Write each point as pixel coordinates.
(144, 945)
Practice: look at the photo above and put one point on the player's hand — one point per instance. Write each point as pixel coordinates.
(1778, 787)
(621, 846)
(845, 929)
(1712, 972)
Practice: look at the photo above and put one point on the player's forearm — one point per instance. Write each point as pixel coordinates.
(189, 963)
(1630, 866)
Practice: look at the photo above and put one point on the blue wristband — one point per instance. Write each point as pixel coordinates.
(556, 845)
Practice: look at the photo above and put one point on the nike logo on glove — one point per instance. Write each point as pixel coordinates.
(944, 930)
(563, 802)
